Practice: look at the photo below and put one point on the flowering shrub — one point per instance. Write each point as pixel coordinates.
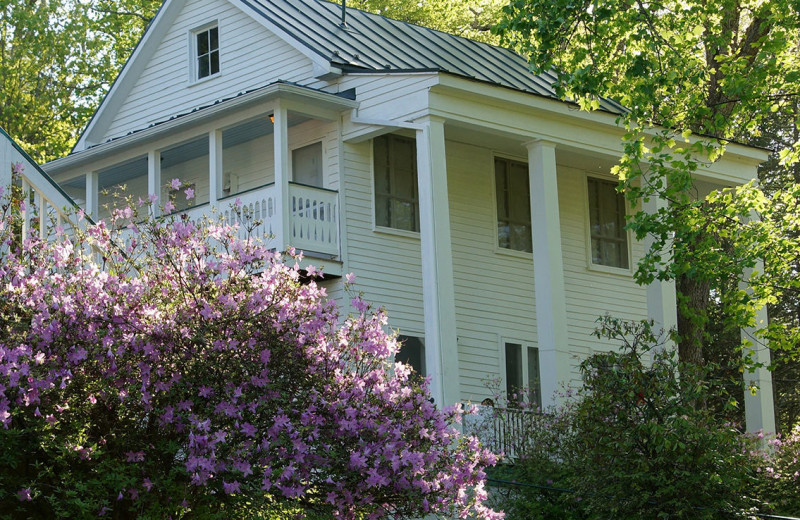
(780, 474)
(634, 441)
(164, 368)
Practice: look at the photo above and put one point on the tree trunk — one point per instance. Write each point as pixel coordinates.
(693, 300)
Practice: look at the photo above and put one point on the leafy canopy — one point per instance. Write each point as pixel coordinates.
(694, 75)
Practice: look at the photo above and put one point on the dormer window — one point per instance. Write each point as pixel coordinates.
(206, 52)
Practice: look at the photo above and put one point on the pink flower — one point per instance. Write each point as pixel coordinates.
(135, 456)
(24, 495)
(175, 184)
(189, 193)
(169, 207)
(230, 487)
(350, 278)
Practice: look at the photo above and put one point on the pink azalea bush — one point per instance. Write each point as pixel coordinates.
(162, 368)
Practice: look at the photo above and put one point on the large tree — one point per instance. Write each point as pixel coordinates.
(694, 76)
(57, 59)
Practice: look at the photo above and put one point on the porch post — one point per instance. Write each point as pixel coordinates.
(154, 179)
(92, 184)
(759, 409)
(281, 150)
(438, 291)
(662, 303)
(548, 269)
(214, 165)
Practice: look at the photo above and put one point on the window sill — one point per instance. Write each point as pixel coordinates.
(396, 232)
(200, 81)
(607, 269)
(513, 253)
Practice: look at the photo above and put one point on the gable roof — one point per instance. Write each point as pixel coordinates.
(373, 43)
(367, 43)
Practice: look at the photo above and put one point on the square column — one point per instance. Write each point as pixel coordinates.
(214, 166)
(92, 188)
(280, 135)
(438, 291)
(759, 409)
(662, 302)
(548, 270)
(154, 179)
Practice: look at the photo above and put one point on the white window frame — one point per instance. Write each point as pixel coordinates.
(626, 271)
(524, 345)
(193, 52)
(375, 227)
(497, 249)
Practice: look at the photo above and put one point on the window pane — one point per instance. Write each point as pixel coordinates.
(202, 43)
(521, 238)
(412, 352)
(214, 62)
(202, 66)
(513, 205)
(609, 239)
(513, 369)
(534, 380)
(307, 165)
(214, 38)
(396, 199)
(503, 235)
(501, 189)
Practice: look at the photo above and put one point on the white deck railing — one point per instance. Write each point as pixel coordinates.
(45, 209)
(313, 215)
(314, 219)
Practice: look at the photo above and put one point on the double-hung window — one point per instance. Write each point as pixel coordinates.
(609, 238)
(396, 196)
(523, 380)
(206, 52)
(513, 205)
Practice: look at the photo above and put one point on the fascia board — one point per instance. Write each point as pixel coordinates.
(321, 65)
(154, 133)
(135, 65)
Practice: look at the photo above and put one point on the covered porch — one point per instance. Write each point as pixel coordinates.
(270, 152)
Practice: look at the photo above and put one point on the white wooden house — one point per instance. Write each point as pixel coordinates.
(471, 203)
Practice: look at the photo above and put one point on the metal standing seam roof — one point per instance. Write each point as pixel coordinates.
(373, 43)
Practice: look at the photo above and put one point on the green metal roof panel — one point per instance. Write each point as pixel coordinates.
(373, 43)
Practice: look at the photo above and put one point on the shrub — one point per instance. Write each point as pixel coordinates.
(635, 441)
(165, 368)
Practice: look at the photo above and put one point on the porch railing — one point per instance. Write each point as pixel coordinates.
(313, 215)
(504, 430)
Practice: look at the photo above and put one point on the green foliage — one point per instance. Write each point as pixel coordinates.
(468, 18)
(780, 474)
(633, 443)
(57, 59)
(693, 76)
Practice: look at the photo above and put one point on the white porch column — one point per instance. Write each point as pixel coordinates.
(214, 165)
(281, 150)
(759, 409)
(548, 269)
(438, 292)
(92, 187)
(154, 179)
(662, 303)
